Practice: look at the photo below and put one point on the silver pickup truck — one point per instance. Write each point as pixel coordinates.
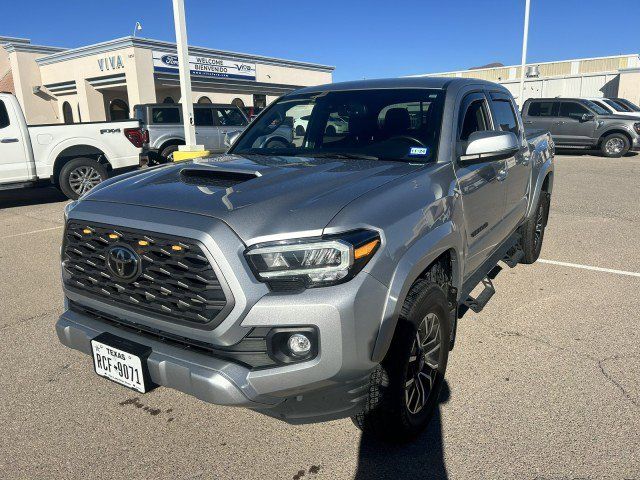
(319, 279)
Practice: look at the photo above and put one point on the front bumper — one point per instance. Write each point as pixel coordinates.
(332, 385)
(635, 145)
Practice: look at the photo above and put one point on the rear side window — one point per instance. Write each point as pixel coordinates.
(165, 115)
(504, 116)
(203, 117)
(572, 110)
(475, 119)
(543, 109)
(4, 115)
(230, 117)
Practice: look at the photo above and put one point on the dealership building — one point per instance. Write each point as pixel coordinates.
(613, 76)
(104, 81)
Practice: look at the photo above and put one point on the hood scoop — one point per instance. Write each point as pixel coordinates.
(215, 177)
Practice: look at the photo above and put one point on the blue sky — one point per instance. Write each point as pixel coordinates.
(363, 39)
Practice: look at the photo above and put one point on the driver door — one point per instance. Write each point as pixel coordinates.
(571, 128)
(481, 185)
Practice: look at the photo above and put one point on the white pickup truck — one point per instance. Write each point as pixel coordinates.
(75, 158)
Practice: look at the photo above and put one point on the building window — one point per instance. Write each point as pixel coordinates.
(67, 113)
(168, 100)
(238, 102)
(118, 110)
(204, 100)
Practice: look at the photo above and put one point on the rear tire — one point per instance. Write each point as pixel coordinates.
(167, 152)
(615, 145)
(533, 230)
(80, 175)
(404, 389)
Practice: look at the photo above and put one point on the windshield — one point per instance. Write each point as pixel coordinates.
(384, 124)
(632, 106)
(596, 108)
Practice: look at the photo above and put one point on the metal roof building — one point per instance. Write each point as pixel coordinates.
(613, 76)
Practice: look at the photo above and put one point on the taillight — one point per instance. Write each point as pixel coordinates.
(135, 136)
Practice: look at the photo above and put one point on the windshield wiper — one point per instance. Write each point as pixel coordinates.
(338, 155)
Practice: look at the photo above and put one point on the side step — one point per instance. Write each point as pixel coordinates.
(478, 303)
(513, 257)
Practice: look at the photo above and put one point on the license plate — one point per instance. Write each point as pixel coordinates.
(121, 361)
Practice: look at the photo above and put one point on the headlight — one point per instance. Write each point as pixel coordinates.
(317, 262)
(636, 127)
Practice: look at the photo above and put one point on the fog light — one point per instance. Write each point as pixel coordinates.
(299, 344)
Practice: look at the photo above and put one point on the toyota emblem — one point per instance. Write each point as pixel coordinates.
(123, 263)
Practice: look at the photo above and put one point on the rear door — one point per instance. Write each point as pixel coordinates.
(571, 128)
(228, 119)
(517, 167)
(14, 165)
(542, 115)
(481, 184)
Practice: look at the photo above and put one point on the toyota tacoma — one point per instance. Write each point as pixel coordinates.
(318, 279)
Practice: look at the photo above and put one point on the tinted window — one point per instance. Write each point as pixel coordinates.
(542, 109)
(230, 117)
(203, 117)
(165, 115)
(504, 116)
(4, 115)
(600, 110)
(572, 110)
(632, 106)
(617, 107)
(475, 120)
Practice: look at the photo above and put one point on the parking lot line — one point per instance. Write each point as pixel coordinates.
(32, 232)
(589, 267)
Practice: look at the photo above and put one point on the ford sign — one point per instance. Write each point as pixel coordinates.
(170, 60)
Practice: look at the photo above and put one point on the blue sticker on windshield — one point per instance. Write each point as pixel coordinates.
(419, 151)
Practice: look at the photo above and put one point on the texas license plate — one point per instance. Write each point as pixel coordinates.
(122, 361)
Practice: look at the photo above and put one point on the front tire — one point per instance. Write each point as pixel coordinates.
(404, 388)
(80, 175)
(615, 145)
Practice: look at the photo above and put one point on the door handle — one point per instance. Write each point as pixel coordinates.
(9, 140)
(501, 175)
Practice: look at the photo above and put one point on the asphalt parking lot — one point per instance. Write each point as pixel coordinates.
(544, 383)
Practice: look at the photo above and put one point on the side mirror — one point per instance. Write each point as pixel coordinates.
(587, 117)
(490, 145)
(231, 137)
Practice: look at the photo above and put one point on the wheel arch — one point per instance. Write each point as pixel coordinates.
(615, 130)
(75, 151)
(171, 141)
(443, 244)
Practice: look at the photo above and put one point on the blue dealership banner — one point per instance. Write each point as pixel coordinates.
(201, 66)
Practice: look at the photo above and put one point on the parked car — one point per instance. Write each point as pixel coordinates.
(579, 123)
(626, 103)
(166, 131)
(614, 108)
(316, 280)
(75, 157)
(335, 125)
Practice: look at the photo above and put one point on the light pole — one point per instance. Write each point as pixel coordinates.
(137, 28)
(524, 51)
(190, 150)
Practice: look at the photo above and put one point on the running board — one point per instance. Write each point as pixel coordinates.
(513, 257)
(478, 303)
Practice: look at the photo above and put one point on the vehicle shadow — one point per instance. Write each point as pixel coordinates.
(594, 153)
(423, 459)
(30, 196)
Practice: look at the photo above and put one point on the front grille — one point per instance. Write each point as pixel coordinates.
(175, 281)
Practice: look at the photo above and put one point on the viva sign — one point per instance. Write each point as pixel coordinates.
(205, 66)
(113, 62)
